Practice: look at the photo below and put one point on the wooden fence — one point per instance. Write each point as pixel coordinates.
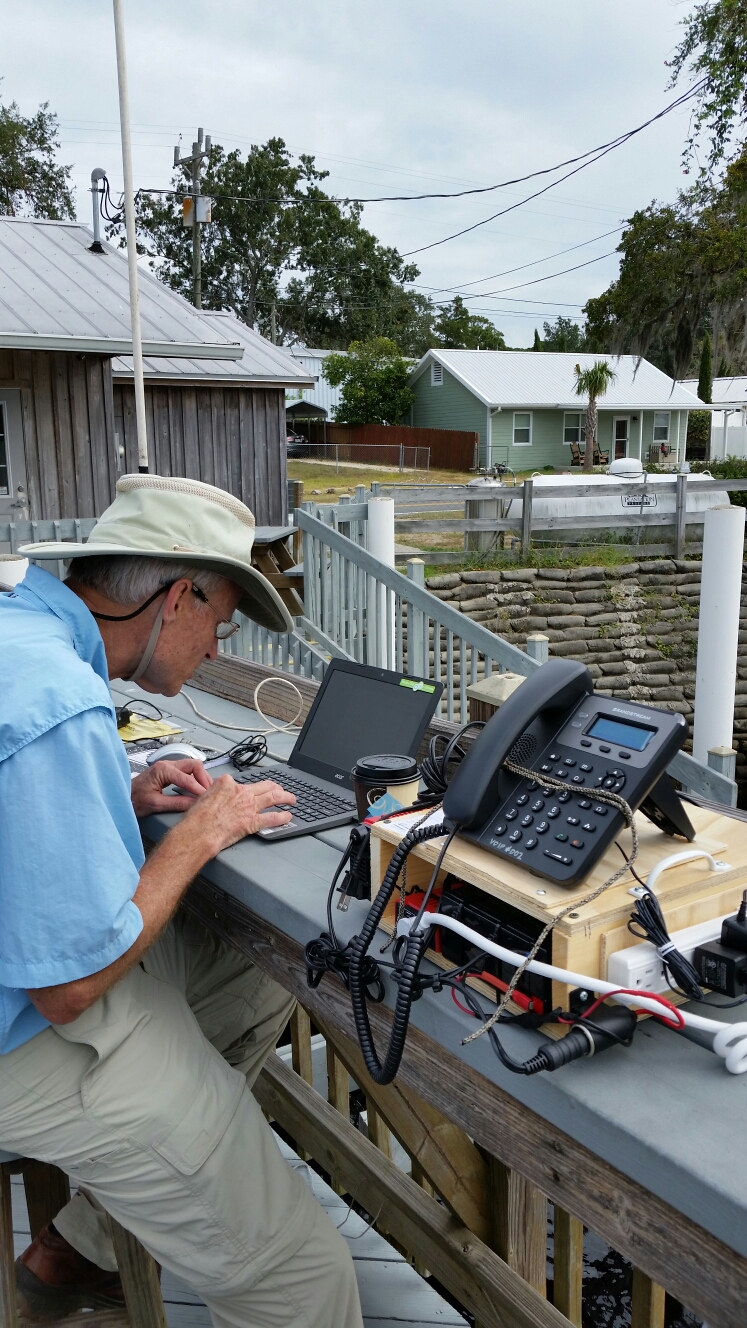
(450, 449)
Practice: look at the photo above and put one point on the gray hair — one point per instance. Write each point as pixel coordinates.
(128, 580)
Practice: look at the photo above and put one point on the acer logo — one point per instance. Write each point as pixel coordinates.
(339, 776)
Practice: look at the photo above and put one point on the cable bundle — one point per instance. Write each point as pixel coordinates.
(651, 927)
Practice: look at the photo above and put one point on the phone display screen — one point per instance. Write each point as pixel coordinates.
(620, 731)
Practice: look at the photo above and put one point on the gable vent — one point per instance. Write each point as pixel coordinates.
(437, 374)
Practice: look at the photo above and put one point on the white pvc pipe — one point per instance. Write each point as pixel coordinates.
(129, 206)
(381, 530)
(718, 632)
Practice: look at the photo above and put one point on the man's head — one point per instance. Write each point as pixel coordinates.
(168, 561)
(179, 609)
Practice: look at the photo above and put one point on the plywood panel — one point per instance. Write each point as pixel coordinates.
(261, 505)
(176, 425)
(205, 435)
(220, 454)
(111, 446)
(63, 425)
(81, 438)
(191, 436)
(31, 448)
(159, 402)
(233, 442)
(100, 443)
(246, 455)
(45, 426)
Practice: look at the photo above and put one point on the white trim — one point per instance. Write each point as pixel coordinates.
(189, 350)
(513, 428)
(489, 437)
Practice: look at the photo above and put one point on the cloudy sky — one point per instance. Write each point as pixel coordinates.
(400, 96)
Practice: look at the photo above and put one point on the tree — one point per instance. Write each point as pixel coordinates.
(714, 51)
(593, 383)
(457, 329)
(563, 335)
(374, 381)
(705, 376)
(32, 183)
(537, 341)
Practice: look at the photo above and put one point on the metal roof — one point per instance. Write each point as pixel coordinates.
(724, 391)
(261, 362)
(57, 295)
(545, 379)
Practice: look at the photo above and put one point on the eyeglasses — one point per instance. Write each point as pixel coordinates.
(224, 628)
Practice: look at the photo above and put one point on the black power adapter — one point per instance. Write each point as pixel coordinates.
(734, 930)
(721, 967)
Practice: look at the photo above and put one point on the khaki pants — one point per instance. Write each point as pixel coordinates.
(145, 1102)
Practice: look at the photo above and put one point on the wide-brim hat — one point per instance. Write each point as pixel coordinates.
(184, 521)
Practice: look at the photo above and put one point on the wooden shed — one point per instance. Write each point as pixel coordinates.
(64, 319)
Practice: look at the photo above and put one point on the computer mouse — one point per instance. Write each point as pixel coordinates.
(174, 751)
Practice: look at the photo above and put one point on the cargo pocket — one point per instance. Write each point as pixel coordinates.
(214, 1104)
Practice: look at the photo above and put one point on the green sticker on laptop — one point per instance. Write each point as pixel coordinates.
(416, 685)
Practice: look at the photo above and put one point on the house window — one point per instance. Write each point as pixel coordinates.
(437, 374)
(522, 428)
(661, 426)
(574, 428)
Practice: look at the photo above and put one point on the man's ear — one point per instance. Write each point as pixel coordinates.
(177, 599)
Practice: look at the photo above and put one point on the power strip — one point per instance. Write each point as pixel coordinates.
(640, 967)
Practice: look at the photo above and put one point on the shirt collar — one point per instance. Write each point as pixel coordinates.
(43, 591)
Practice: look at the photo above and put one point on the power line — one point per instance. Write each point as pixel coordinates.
(536, 280)
(509, 271)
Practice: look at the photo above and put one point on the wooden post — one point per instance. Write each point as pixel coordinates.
(526, 519)
(300, 1030)
(378, 1130)
(297, 487)
(139, 1274)
(47, 1191)
(519, 1219)
(568, 1265)
(338, 1094)
(648, 1302)
(8, 1312)
(679, 516)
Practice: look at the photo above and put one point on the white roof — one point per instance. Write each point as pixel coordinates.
(55, 294)
(724, 391)
(545, 379)
(261, 363)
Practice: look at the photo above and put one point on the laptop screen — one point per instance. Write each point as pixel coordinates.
(362, 711)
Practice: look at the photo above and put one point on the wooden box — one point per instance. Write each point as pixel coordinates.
(586, 937)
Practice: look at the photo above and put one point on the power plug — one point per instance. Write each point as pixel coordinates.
(721, 968)
(734, 930)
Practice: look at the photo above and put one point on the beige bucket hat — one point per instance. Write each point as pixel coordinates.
(180, 520)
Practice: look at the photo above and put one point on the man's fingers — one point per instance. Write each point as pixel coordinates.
(188, 774)
(269, 819)
(270, 794)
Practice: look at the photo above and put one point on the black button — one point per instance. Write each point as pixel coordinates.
(625, 755)
(599, 810)
(558, 857)
(571, 820)
(501, 829)
(603, 748)
(515, 836)
(537, 805)
(542, 828)
(561, 773)
(522, 799)
(562, 837)
(554, 756)
(578, 779)
(589, 827)
(584, 802)
(610, 783)
(577, 843)
(564, 797)
(552, 812)
(587, 769)
(545, 792)
(583, 714)
(547, 768)
(527, 820)
(532, 785)
(568, 760)
(531, 843)
(585, 742)
(617, 774)
(511, 815)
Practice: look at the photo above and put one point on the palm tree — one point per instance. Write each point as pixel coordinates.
(593, 383)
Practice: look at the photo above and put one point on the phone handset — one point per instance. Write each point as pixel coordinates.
(472, 794)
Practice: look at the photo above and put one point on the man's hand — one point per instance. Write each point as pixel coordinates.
(147, 789)
(229, 811)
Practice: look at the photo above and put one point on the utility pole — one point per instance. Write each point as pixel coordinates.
(196, 209)
(273, 324)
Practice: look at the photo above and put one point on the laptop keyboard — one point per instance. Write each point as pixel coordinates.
(312, 803)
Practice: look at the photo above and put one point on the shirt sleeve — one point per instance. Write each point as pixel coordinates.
(70, 854)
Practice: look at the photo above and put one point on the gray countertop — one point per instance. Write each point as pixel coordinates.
(665, 1112)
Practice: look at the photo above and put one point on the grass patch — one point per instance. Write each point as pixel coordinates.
(324, 477)
(597, 556)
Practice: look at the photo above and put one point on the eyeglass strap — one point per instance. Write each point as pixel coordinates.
(125, 617)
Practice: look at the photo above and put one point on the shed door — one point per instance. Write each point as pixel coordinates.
(13, 490)
(622, 436)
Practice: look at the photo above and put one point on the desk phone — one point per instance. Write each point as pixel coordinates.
(556, 726)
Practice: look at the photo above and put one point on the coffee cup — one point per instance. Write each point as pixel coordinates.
(399, 776)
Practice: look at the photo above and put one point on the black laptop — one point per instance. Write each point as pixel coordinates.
(358, 711)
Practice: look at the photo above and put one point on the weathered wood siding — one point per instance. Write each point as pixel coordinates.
(68, 430)
(233, 437)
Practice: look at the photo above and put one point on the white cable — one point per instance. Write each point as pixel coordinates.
(730, 1040)
(252, 728)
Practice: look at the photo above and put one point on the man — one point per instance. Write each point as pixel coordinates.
(129, 1036)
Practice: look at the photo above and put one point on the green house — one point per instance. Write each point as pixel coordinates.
(524, 406)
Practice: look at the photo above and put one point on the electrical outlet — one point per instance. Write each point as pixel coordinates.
(640, 968)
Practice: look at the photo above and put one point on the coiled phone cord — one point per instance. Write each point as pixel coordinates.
(601, 795)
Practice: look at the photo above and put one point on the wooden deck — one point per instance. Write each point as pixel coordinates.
(390, 1289)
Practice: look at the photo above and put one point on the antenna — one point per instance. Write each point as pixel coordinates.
(98, 173)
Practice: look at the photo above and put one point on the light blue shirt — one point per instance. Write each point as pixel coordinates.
(70, 847)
